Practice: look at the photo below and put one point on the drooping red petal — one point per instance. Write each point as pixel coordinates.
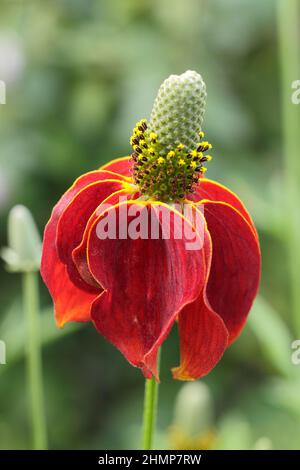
(70, 303)
(121, 165)
(212, 191)
(147, 281)
(79, 253)
(235, 269)
(72, 225)
(203, 335)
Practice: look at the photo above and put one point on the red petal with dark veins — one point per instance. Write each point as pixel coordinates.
(235, 269)
(79, 254)
(147, 281)
(70, 303)
(72, 224)
(212, 191)
(203, 340)
(203, 335)
(121, 165)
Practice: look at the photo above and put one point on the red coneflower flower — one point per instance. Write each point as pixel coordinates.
(133, 288)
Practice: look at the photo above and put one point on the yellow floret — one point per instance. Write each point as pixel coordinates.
(206, 144)
(181, 162)
(160, 160)
(153, 136)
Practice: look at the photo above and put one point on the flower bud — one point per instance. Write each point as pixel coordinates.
(24, 243)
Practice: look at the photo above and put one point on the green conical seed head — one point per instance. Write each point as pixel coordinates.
(178, 110)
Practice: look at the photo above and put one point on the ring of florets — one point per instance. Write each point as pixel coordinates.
(166, 176)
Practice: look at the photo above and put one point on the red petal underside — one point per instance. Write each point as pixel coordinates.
(70, 303)
(148, 282)
(203, 335)
(203, 340)
(212, 191)
(121, 165)
(72, 225)
(235, 269)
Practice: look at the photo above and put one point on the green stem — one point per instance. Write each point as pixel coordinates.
(289, 55)
(150, 410)
(34, 363)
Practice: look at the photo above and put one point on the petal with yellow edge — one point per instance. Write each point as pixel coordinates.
(72, 224)
(147, 281)
(235, 267)
(122, 165)
(212, 191)
(70, 302)
(202, 332)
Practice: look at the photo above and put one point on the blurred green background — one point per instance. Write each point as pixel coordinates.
(79, 74)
